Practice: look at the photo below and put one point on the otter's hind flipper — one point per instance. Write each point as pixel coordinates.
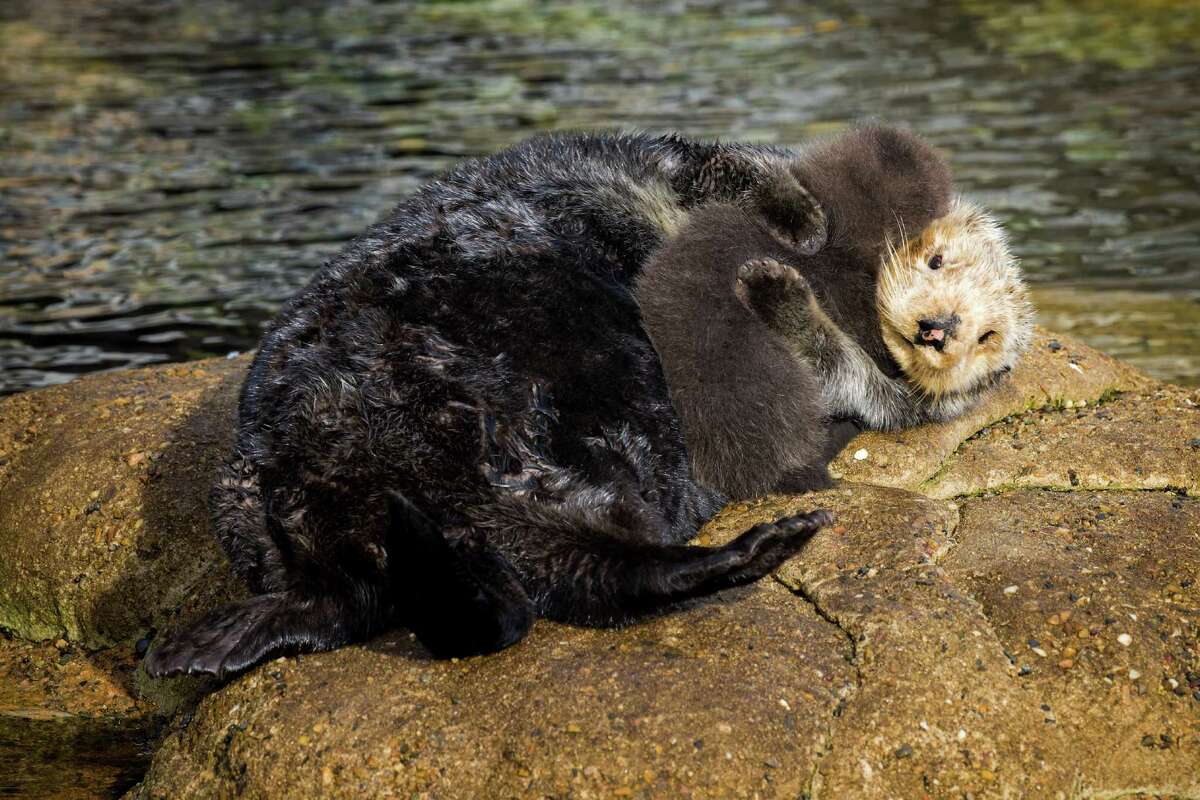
(754, 554)
(593, 570)
(231, 639)
(459, 596)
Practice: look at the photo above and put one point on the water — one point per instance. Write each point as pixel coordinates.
(44, 754)
(170, 171)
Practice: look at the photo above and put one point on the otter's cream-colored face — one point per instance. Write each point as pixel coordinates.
(952, 304)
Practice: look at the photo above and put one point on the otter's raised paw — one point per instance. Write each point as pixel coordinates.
(771, 289)
(791, 212)
(764, 271)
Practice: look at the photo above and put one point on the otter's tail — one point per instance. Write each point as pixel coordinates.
(457, 594)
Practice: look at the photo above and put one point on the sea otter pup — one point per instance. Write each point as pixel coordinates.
(757, 363)
(752, 410)
(754, 418)
(954, 314)
(460, 423)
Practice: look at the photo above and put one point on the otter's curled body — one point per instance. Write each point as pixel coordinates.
(460, 424)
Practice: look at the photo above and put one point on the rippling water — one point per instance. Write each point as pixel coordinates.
(170, 171)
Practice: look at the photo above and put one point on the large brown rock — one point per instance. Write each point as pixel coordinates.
(103, 517)
(729, 697)
(900, 665)
(982, 622)
(1144, 439)
(1056, 371)
(1096, 596)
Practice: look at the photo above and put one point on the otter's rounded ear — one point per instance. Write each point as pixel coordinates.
(791, 213)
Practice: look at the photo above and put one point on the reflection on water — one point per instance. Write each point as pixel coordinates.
(47, 754)
(1157, 330)
(170, 171)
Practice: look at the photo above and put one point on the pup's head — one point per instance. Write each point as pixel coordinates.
(953, 308)
(873, 182)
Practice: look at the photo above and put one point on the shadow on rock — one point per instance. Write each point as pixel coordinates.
(177, 570)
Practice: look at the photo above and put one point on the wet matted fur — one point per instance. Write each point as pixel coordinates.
(460, 423)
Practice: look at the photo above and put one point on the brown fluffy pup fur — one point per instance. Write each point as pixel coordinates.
(752, 413)
(955, 316)
(755, 415)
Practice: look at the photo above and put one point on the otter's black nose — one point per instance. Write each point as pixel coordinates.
(934, 332)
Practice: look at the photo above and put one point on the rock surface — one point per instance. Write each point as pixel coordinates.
(728, 695)
(1056, 371)
(1145, 439)
(1008, 606)
(104, 520)
(1107, 588)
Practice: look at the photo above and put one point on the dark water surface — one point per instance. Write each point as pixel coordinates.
(170, 171)
(44, 754)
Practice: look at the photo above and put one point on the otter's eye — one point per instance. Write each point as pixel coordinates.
(935, 262)
(989, 335)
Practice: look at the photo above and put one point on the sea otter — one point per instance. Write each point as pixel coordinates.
(765, 353)
(460, 424)
(755, 416)
(954, 315)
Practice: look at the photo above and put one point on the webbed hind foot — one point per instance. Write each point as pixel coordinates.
(756, 553)
(238, 636)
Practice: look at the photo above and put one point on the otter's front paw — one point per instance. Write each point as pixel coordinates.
(774, 291)
(771, 275)
(791, 212)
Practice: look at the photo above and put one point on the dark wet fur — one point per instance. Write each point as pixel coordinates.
(751, 410)
(460, 424)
